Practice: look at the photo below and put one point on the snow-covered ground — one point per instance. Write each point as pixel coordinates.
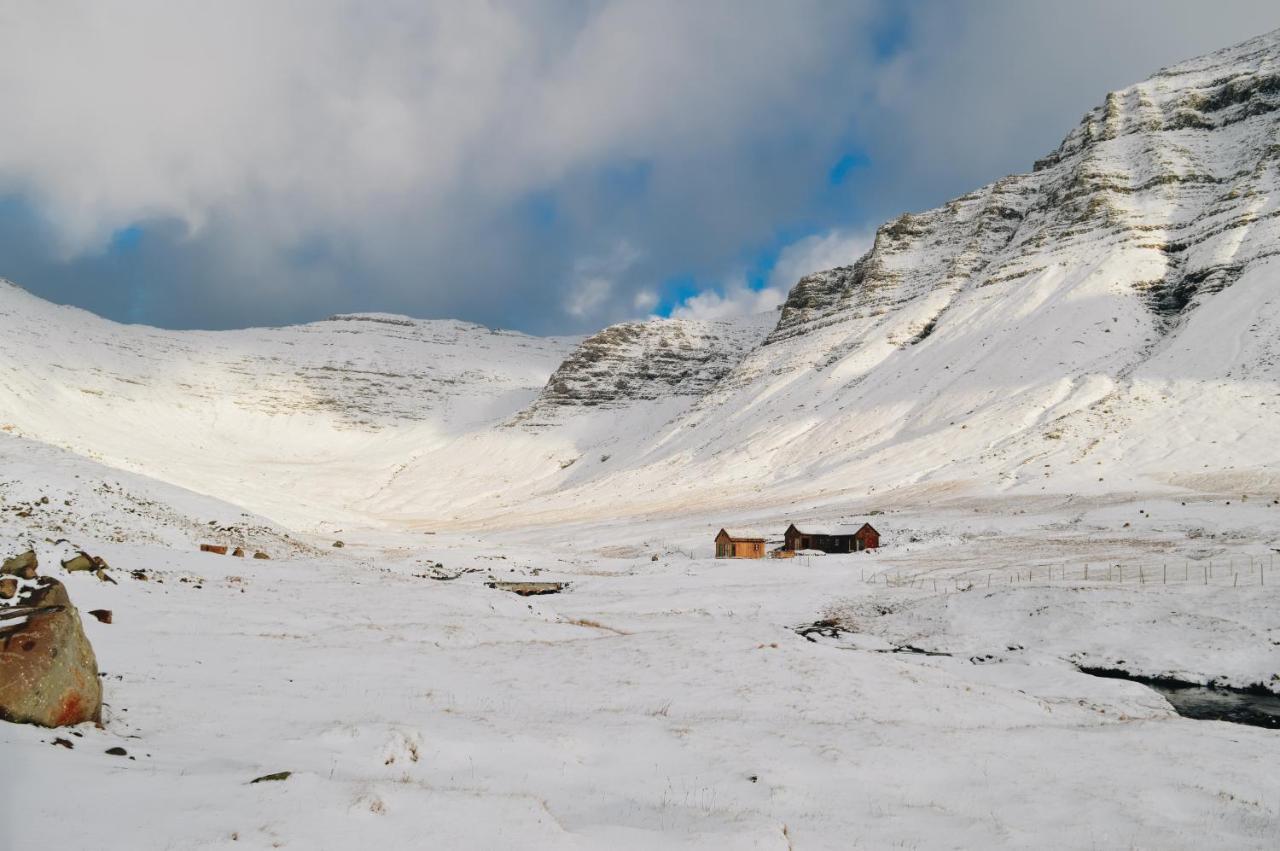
(1055, 397)
(655, 703)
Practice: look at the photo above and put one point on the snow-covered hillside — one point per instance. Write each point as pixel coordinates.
(296, 421)
(1107, 322)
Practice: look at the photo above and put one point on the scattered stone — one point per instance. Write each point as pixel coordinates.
(23, 566)
(216, 549)
(238, 552)
(117, 751)
(48, 673)
(140, 575)
(63, 743)
(529, 589)
(261, 555)
(8, 587)
(80, 561)
(103, 615)
(105, 577)
(338, 545)
(266, 778)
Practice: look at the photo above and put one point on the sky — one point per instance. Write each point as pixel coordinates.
(551, 167)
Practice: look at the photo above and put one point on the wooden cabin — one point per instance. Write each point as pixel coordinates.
(739, 544)
(832, 540)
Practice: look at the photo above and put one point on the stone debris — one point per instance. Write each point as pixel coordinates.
(266, 778)
(84, 561)
(529, 589)
(23, 566)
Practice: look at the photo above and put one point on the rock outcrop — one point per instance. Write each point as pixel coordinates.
(1175, 170)
(48, 671)
(643, 361)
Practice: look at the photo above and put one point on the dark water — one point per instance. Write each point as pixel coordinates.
(1256, 707)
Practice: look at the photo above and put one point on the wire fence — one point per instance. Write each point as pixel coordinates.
(1235, 572)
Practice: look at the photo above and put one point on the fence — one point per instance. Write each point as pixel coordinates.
(1234, 572)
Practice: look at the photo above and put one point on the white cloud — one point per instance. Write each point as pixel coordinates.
(303, 157)
(594, 280)
(316, 114)
(734, 300)
(811, 254)
(816, 253)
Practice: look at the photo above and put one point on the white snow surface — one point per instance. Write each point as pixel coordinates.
(1056, 398)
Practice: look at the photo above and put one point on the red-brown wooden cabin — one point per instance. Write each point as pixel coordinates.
(831, 540)
(739, 544)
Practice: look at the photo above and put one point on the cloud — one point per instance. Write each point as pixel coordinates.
(818, 252)
(278, 161)
(735, 300)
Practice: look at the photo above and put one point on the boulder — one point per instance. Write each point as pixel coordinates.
(339, 544)
(8, 587)
(216, 549)
(261, 555)
(103, 615)
(238, 552)
(48, 673)
(23, 566)
(80, 561)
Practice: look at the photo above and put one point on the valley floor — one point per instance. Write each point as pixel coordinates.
(672, 702)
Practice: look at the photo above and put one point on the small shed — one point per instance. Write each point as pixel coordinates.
(739, 543)
(864, 537)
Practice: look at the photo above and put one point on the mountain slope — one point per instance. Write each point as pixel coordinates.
(1106, 322)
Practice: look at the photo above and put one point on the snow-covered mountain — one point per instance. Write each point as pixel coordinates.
(1106, 322)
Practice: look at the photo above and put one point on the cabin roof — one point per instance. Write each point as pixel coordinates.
(832, 530)
(743, 534)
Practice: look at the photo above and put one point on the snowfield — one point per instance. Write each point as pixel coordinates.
(667, 703)
(1057, 398)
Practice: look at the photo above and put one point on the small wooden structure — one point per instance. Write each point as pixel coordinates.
(832, 540)
(739, 544)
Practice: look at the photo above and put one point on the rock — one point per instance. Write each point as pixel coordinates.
(48, 673)
(339, 544)
(103, 615)
(261, 555)
(105, 577)
(529, 589)
(62, 743)
(23, 566)
(238, 552)
(80, 561)
(140, 575)
(117, 751)
(8, 587)
(279, 775)
(216, 549)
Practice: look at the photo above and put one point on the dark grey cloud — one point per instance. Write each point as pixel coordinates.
(549, 167)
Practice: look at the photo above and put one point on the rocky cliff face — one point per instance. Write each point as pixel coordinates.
(643, 361)
(1178, 168)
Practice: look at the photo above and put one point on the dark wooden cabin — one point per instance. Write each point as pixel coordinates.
(739, 545)
(832, 540)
